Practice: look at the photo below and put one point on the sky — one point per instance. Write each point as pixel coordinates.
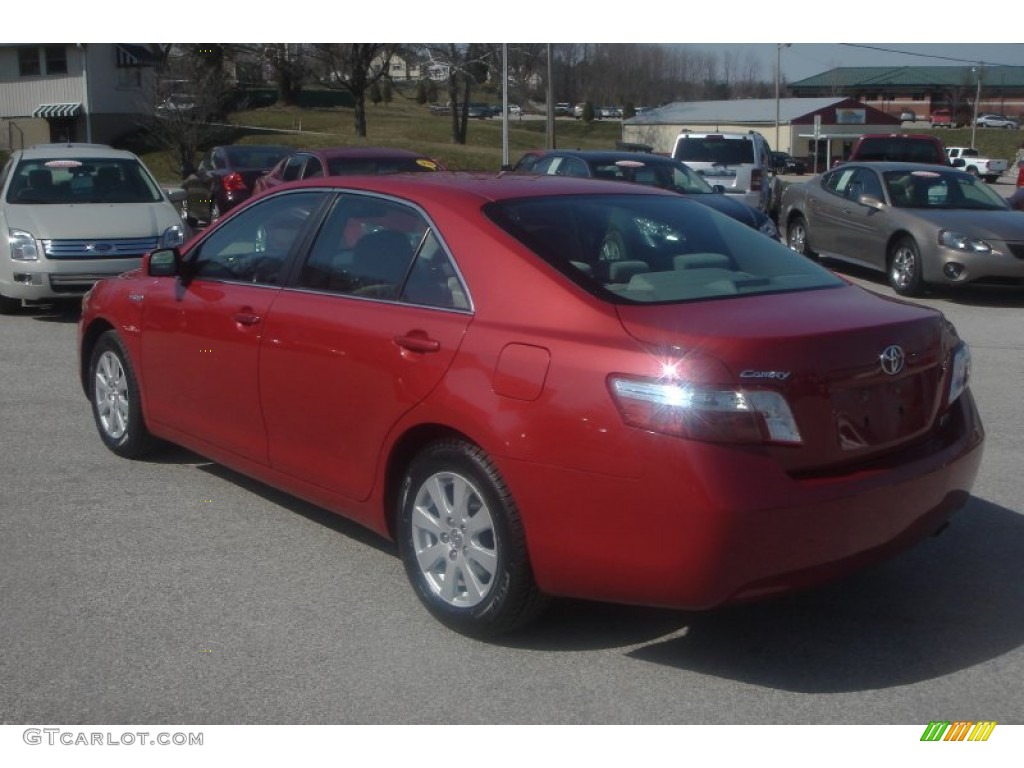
(814, 36)
(802, 60)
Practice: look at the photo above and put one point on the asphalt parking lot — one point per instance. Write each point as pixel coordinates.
(175, 591)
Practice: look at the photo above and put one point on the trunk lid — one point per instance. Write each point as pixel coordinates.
(823, 351)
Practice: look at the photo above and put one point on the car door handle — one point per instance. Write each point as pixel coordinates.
(417, 341)
(246, 317)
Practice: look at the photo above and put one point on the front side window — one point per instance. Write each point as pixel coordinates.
(292, 168)
(940, 189)
(253, 246)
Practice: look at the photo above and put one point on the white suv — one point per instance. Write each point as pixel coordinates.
(740, 163)
(71, 214)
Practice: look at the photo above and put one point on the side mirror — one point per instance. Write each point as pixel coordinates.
(164, 262)
(871, 202)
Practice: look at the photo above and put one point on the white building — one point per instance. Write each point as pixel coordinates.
(73, 91)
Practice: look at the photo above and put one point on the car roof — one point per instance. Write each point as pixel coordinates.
(611, 155)
(474, 188)
(332, 152)
(891, 165)
(75, 150)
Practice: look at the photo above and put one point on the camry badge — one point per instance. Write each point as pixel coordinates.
(778, 375)
(892, 359)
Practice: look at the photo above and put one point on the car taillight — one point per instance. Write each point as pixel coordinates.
(700, 412)
(234, 182)
(755, 180)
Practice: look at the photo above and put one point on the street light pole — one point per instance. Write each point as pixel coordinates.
(778, 81)
(977, 98)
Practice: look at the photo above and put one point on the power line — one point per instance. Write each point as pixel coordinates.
(928, 55)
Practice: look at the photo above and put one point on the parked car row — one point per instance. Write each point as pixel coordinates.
(228, 175)
(644, 168)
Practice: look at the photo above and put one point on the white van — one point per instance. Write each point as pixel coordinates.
(741, 163)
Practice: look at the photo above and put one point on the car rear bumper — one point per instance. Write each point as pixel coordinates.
(711, 524)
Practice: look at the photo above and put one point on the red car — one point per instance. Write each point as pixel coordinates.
(448, 360)
(343, 161)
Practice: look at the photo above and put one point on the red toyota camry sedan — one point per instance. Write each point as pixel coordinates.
(454, 361)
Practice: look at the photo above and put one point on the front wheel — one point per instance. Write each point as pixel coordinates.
(462, 542)
(116, 406)
(905, 268)
(796, 237)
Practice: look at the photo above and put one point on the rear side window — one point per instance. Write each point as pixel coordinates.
(715, 149)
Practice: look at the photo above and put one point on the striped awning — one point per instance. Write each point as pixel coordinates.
(133, 55)
(58, 110)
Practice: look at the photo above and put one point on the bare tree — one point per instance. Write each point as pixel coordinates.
(289, 65)
(192, 95)
(355, 67)
(467, 65)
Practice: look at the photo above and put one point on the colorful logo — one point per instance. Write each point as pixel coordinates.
(960, 730)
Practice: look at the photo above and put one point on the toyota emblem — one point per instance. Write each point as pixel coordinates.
(892, 359)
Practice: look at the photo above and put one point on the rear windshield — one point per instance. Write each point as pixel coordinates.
(900, 151)
(255, 157)
(715, 149)
(640, 249)
(81, 181)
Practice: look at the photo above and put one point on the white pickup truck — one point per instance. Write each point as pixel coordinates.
(971, 161)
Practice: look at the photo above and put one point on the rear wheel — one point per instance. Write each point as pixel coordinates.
(905, 268)
(796, 237)
(462, 542)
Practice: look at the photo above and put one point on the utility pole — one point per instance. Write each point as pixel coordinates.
(977, 98)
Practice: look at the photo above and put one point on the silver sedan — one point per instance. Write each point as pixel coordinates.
(920, 224)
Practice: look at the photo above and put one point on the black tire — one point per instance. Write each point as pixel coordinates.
(9, 306)
(116, 405)
(797, 238)
(904, 268)
(463, 544)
